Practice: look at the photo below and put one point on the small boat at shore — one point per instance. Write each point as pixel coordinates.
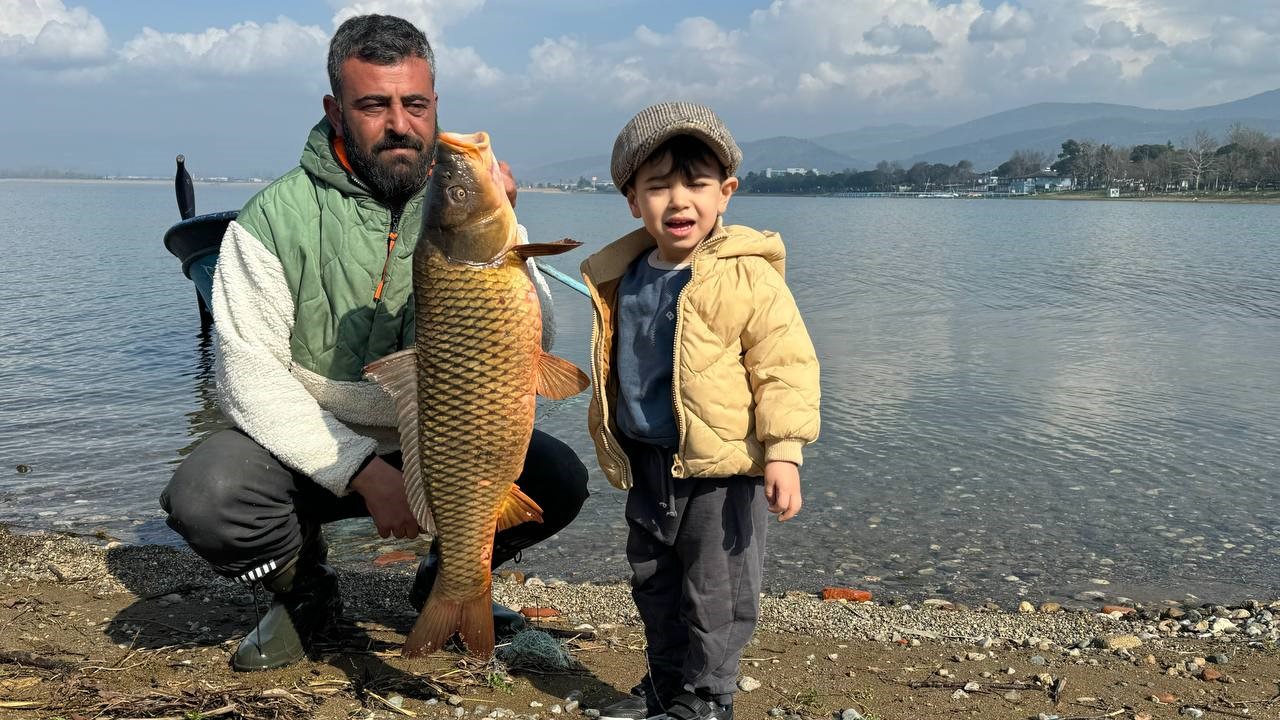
(195, 241)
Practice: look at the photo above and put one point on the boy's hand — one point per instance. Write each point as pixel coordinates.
(782, 489)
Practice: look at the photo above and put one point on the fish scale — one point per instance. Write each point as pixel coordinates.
(481, 327)
(465, 392)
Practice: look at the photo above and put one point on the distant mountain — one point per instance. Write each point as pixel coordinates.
(986, 141)
(990, 140)
(855, 142)
(1262, 105)
(567, 171)
(784, 152)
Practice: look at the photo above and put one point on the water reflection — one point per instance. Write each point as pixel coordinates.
(205, 418)
(1065, 394)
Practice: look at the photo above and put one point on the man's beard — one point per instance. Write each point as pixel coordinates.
(393, 179)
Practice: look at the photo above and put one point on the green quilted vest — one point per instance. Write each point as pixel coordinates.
(330, 235)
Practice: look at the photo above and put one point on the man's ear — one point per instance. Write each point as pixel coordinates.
(333, 111)
(727, 188)
(631, 202)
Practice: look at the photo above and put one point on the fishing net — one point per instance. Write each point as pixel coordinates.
(536, 650)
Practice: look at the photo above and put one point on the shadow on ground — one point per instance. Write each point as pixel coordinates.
(180, 603)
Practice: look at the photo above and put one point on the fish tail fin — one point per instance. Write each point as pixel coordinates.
(476, 627)
(517, 508)
(441, 617)
(436, 623)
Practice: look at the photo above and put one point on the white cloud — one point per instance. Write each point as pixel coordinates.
(1232, 46)
(1006, 22)
(431, 16)
(45, 33)
(243, 49)
(904, 38)
(456, 66)
(787, 67)
(1114, 34)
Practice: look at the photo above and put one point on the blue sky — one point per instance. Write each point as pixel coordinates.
(120, 86)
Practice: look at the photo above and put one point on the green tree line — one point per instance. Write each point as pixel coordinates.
(1248, 159)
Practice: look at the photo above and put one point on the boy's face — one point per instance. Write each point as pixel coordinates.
(679, 213)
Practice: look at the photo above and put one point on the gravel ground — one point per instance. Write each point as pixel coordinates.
(90, 624)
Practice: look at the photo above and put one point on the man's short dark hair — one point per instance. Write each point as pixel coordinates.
(379, 39)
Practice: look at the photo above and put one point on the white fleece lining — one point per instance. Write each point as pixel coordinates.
(257, 390)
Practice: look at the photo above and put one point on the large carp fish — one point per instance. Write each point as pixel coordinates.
(465, 392)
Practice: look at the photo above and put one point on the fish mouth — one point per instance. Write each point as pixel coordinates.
(475, 144)
(478, 152)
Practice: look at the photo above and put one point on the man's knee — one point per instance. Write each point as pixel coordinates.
(208, 485)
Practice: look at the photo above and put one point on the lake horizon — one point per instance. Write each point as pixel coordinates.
(1020, 400)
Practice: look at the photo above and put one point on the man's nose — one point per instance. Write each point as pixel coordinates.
(398, 119)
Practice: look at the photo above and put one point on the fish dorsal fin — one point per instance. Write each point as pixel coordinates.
(397, 373)
(558, 378)
(524, 252)
(517, 508)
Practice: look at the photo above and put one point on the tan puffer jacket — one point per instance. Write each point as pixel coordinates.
(745, 378)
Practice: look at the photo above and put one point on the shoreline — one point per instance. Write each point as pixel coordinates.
(1268, 198)
(1234, 198)
(1261, 198)
(110, 630)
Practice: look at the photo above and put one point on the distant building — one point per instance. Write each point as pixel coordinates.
(1039, 183)
(770, 172)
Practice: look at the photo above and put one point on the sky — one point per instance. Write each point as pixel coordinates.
(121, 86)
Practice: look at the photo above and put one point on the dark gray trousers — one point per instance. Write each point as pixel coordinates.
(696, 549)
(240, 509)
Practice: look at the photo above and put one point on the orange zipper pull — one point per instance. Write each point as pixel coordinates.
(386, 264)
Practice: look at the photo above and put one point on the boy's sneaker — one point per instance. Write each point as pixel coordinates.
(641, 704)
(687, 706)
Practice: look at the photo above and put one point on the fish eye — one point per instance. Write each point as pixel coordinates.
(457, 193)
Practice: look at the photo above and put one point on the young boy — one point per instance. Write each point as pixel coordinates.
(705, 391)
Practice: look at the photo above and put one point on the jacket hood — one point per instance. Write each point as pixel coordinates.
(319, 161)
(725, 241)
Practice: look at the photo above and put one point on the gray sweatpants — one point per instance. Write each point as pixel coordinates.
(696, 549)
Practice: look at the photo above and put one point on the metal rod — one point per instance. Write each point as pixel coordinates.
(563, 278)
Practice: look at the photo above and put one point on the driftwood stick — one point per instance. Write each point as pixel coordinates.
(18, 657)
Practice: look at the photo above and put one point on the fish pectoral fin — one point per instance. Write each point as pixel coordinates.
(397, 373)
(517, 508)
(526, 251)
(558, 378)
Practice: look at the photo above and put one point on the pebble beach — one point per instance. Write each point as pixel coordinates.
(163, 626)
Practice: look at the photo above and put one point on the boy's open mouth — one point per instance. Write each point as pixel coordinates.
(679, 226)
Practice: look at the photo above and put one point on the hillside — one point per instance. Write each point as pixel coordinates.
(990, 140)
(784, 152)
(986, 141)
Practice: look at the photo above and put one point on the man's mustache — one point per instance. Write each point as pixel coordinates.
(402, 142)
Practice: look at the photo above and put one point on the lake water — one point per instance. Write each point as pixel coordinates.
(1020, 398)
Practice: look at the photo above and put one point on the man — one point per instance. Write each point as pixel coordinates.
(313, 282)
